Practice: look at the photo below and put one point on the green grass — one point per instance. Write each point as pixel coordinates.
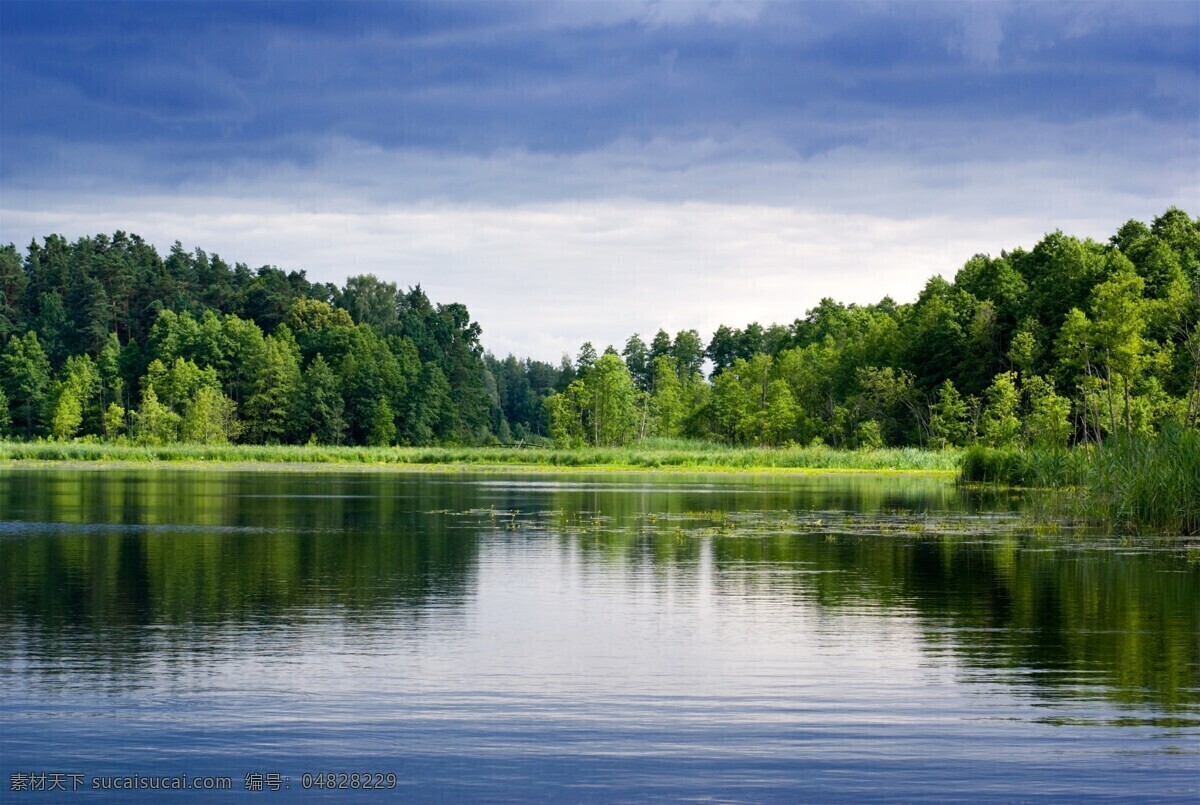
(652, 454)
(1135, 484)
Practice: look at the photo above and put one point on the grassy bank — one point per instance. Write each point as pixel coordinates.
(650, 455)
(1139, 485)
(1148, 485)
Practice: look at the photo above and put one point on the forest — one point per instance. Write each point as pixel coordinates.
(1066, 343)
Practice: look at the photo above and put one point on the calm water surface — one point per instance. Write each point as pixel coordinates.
(608, 638)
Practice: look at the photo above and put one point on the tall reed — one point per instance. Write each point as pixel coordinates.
(1149, 482)
(1133, 483)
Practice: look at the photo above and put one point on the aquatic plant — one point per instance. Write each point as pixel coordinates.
(1147, 484)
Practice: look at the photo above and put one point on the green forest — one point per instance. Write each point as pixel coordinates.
(1066, 343)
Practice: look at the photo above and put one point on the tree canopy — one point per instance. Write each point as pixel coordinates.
(1070, 341)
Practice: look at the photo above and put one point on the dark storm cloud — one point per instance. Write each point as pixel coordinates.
(179, 90)
(589, 160)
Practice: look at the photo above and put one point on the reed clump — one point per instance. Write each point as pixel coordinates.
(1144, 484)
(1136, 482)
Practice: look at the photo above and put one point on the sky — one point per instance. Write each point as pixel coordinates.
(583, 171)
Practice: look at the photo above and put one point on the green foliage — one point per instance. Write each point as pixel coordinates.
(1048, 421)
(1025, 350)
(687, 455)
(114, 422)
(1147, 484)
(79, 383)
(431, 414)
(1000, 426)
(369, 373)
(668, 404)
(688, 352)
(383, 425)
(209, 418)
(1105, 339)
(660, 346)
(938, 334)
(868, 435)
(602, 408)
(778, 419)
(101, 297)
(271, 405)
(25, 377)
(948, 421)
(1182, 234)
(1028, 467)
(321, 404)
(371, 301)
(314, 316)
(586, 359)
(637, 359)
(155, 423)
(108, 365)
(178, 384)
(1118, 323)
(730, 403)
(566, 428)
(754, 406)
(611, 411)
(13, 282)
(1060, 272)
(889, 399)
(504, 433)
(521, 387)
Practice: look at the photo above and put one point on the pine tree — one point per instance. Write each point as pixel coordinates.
(430, 414)
(383, 426)
(322, 404)
(275, 386)
(25, 375)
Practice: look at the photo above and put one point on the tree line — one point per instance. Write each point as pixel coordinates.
(106, 339)
(1068, 342)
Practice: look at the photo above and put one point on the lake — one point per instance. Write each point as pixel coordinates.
(567, 637)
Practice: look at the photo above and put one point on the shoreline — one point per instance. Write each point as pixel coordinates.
(648, 459)
(222, 465)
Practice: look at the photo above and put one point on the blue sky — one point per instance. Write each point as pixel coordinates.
(583, 171)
